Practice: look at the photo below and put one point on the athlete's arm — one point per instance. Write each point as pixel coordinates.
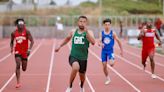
(65, 41)
(119, 42)
(90, 37)
(100, 40)
(31, 39)
(141, 34)
(12, 41)
(158, 38)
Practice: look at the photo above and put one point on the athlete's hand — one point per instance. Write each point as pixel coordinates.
(28, 52)
(142, 32)
(100, 44)
(57, 49)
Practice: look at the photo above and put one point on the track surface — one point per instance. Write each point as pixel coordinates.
(49, 71)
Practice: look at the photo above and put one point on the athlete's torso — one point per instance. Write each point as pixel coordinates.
(148, 38)
(21, 39)
(80, 46)
(107, 40)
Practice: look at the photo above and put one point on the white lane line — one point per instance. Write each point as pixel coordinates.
(13, 75)
(89, 83)
(123, 78)
(135, 65)
(140, 57)
(140, 49)
(50, 68)
(5, 57)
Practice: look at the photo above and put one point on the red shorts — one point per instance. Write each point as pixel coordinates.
(22, 54)
(147, 52)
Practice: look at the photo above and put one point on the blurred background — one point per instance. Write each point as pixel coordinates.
(55, 18)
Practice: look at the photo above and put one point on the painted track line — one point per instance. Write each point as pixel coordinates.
(51, 66)
(87, 79)
(140, 57)
(13, 75)
(135, 88)
(140, 49)
(135, 65)
(5, 57)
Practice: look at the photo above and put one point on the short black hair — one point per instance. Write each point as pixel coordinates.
(106, 20)
(83, 17)
(19, 19)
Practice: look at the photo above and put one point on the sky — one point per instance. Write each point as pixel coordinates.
(58, 2)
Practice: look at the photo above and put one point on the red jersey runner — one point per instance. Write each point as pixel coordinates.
(21, 46)
(148, 47)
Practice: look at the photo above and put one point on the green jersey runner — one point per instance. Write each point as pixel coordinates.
(80, 46)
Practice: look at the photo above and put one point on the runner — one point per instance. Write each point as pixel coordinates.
(148, 46)
(106, 41)
(81, 37)
(21, 36)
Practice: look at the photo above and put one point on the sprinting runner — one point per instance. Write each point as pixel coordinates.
(106, 41)
(148, 48)
(81, 37)
(21, 36)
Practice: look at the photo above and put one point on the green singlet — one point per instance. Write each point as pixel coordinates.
(80, 46)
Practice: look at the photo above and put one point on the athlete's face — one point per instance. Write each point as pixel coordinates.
(107, 25)
(20, 25)
(82, 23)
(149, 25)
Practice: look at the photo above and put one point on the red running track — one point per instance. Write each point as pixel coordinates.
(49, 72)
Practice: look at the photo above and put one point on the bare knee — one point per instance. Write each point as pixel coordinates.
(75, 66)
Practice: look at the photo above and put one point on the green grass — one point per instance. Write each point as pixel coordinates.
(131, 7)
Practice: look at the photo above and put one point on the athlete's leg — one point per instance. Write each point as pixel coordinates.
(17, 70)
(144, 57)
(111, 58)
(75, 69)
(82, 79)
(105, 69)
(24, 64)
(112, 62)
(152, 63)
(82, 71)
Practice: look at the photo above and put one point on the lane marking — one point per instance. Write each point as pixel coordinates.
(5, 57)
(140, 57)
(140, 49)
(135, 65)
(51, 67)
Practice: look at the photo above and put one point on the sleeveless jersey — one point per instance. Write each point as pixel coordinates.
(148, 38)
(80, 46)
(21, 41)
(108, 41)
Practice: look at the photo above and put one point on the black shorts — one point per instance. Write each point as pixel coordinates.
(82, 63)
(24, 59)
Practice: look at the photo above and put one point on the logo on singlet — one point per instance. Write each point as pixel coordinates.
(78, 40)
(106, 40)
(20, 39)
(149, 34)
